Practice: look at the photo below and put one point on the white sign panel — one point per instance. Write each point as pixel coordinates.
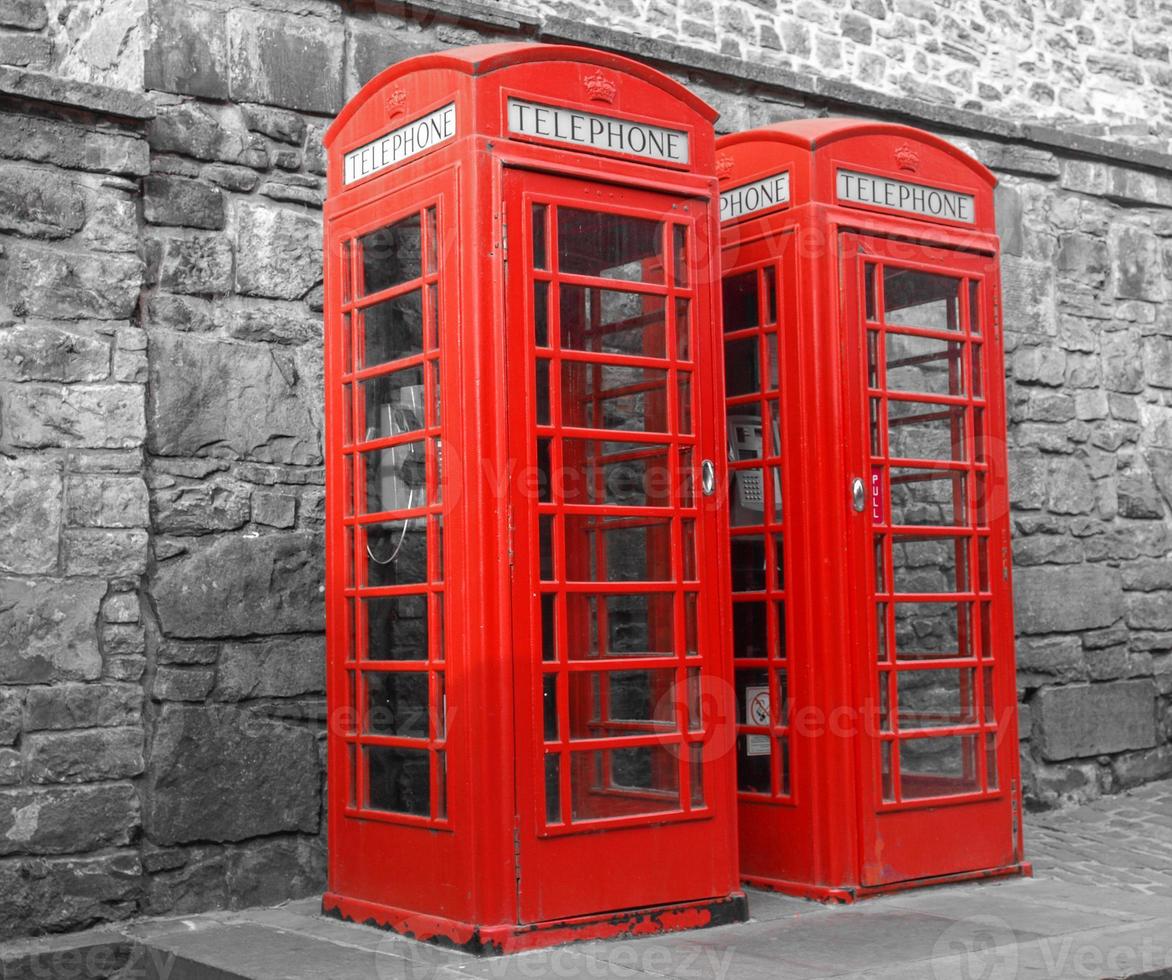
(582, 128)
(757, 713)
(757, 196)
(899, 195)
(400, 144)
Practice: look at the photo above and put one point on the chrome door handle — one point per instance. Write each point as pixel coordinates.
(858, 494)
(708, 477)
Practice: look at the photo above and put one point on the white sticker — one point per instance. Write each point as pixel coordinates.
(400, 144)
(736, 202)
(899, 195)
(598, 132)
(757, 713)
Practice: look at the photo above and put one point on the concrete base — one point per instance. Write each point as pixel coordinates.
(995, 929)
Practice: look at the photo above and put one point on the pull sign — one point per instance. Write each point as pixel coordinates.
(401, 144)
(757, 196)
(876, 497)
(581, 128)
(899, 195)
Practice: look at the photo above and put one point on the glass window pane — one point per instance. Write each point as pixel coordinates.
(392, 329)
(938, 766)
(542, 393)
(770, 286)
(614, 703)
(399, 780)
(742, 369)
(393, 403)
(928, 497)
(936, 698)
(651, 774)
(748, 563)
(548, 626)
(611, 322)
(396, 552)
(919, 430)
(396, 478)
(541, 313)
(396, 704)
(683, 329)
(613, 246)
(607, 396)
(637, 624)
(750, 636)
(739, 295)
(924, 364)
(618, 549)
(929, 564)
(627, 474)
(553, 789)
(549, 706)
(933, 630)
(391, 255)
(396, 627)
(680, 254)
(540, 252)
(920, 299)
(748, 496)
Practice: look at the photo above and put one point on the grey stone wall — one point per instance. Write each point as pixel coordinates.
(161, 501)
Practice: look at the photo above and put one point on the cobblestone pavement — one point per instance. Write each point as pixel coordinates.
(1125, 841)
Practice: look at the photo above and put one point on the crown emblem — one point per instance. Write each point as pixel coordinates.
(724, 166)
(600, 88)
(396, 102)
(906, 158)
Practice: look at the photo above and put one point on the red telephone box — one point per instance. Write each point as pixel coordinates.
(870, 556)
(528, 662)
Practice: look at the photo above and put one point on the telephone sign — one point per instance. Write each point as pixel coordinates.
(521, 661)
(903, 644)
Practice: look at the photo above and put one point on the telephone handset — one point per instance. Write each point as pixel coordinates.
(745, 442)
(402, 479)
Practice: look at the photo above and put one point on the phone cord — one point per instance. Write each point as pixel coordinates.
(402, 534)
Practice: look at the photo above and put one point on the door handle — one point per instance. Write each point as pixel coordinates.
(708, 477)
(858, 494)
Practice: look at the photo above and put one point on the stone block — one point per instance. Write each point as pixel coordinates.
(201, 508)
(28, 137)
(1138, 496)
(1157, 361)
(243, 401)
(277, 124)
(192, 130)
(242, 586)
(199, 265)
(1122, 359)
(1147, 576)
(65, 706)
(1040, 365)
(68, 893)
(73, 285)
(182, 683)
(121, 608)
(1055, 656)
(101, 500)
(30, 514)
(315, 151)
(280, 323)
(40, 203)
(1067, 599)
(285, 667)
(182, 202)
(47, 630)
(119, 639)
(1071, 490)
(1137, 268)
(48, 352)
(1029, 296)
(187, 50)
(83, 756)
(99, 416)
(25, 15)
(221, 774)
(1136, 768)
(11, 710)
(281, 60)
(105, 553)
(1082, 720)
(180, 652)
(125, 668)
(279, 252)
(372, 50)
(66, 820)
(1149, 610)
(11, 769)
(185, 313)
(274, 509)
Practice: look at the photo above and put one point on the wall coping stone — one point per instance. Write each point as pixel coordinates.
(41, 87)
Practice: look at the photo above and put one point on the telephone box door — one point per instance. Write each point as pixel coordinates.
(616, 616)
(932, 546)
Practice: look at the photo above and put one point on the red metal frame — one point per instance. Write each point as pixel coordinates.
(474, 859)
(839, 834)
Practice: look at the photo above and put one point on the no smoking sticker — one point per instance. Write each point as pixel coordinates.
(757, 713)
